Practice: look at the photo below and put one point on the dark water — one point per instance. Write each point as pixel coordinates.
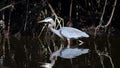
(28, 52)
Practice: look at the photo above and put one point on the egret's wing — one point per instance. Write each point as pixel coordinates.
(70, 32)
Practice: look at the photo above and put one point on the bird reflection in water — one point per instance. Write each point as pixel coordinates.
(65, 53)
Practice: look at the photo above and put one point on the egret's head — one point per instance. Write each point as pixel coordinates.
(48, 20)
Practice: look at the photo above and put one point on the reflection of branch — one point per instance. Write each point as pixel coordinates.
(9, 22)
(99, 54)
(110, 60)
(101, 60)
(106, 55)
(3, 47)
(43, 46)
(103, 54)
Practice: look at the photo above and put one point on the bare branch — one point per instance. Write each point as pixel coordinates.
(8, 6)
(101, 19)
(11, 5)
(108, 23)
(70, 13)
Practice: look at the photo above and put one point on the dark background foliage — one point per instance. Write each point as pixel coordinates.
(85, 13)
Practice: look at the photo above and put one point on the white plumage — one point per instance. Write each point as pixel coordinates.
(70, 32)
(65, 32)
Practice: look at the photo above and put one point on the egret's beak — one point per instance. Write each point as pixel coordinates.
(41, 21)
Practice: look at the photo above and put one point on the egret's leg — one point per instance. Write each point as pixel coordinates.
(68, 40)
(71, 61)
(80, 42)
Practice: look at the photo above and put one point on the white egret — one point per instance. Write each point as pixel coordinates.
(65, 32)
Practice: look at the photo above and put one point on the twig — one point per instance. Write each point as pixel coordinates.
(26, 19)
(102, 55)
(8, 6)
(42, 30)
(99, 54)
(109, 21)
(52, 10)
(70, 14)
(56, 17)
(110, 60)
(11, 5)
(101, 60)
(101, 19)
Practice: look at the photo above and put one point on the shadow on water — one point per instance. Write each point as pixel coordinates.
(28, 52)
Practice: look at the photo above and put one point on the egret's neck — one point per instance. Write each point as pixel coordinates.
(57, 32)
(52, 24)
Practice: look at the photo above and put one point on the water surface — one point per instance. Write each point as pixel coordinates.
(28, 52)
